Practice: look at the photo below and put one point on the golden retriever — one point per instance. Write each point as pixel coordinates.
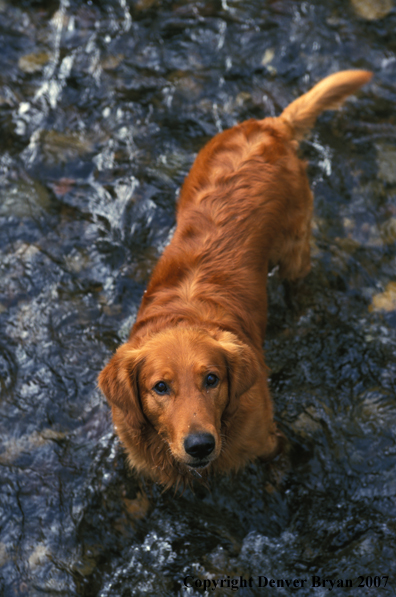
(188, 391)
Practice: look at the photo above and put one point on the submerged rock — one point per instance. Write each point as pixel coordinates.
(372, 9)
(62, 147)
(386, 159)
(25, 199)
(385, 301)
(33, 63)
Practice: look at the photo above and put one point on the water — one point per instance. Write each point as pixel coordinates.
(103, 107)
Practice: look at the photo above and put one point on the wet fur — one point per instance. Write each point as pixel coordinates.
(245, 206)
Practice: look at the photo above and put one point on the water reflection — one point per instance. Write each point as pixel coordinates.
(102, 109)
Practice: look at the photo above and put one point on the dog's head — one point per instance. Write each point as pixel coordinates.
(183, 383)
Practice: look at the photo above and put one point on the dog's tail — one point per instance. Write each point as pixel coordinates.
(328, 94)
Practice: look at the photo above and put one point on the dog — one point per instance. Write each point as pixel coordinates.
(188, 390)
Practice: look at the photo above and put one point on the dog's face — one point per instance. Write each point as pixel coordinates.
(182, 382)
(183, 386)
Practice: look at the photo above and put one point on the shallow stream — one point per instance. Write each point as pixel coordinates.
(103, 107)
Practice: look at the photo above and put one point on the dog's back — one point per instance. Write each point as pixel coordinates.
(246, 205)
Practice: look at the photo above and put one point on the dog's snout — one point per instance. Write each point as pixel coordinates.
(199, 445)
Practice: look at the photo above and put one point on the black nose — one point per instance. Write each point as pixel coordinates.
(199, 445)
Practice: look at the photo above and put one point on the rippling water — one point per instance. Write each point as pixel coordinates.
(103, 107)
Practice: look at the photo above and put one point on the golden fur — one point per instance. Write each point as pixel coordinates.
(188, 391)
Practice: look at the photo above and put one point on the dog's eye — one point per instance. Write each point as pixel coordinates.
(211, 380)
(161, 388)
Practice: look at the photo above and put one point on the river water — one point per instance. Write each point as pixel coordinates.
(103, 107)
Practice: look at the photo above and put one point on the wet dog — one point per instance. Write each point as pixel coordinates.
(188, 391)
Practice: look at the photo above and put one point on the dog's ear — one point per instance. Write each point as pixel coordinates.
(119, 383)
(242, 366)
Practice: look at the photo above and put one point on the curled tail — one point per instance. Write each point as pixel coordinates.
(328, 94)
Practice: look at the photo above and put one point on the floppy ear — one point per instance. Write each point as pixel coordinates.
(119, 383)
(242, 365)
